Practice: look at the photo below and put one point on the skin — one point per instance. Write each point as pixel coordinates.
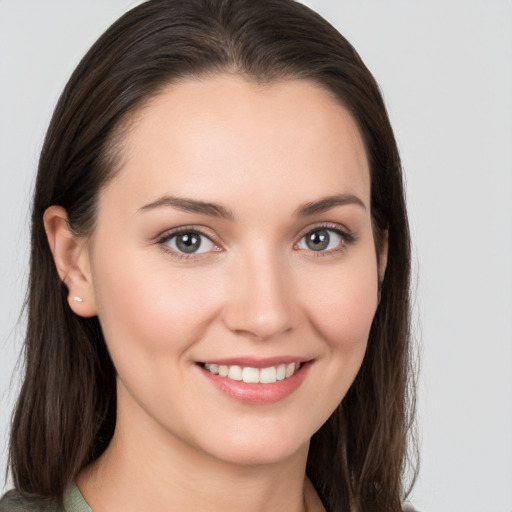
(261, 153)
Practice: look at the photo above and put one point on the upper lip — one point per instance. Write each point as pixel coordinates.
(257, 362)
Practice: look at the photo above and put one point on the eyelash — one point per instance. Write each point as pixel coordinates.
(183, 230)
(346, 240)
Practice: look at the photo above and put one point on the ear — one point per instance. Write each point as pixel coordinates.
(382, 254)
(71, 258)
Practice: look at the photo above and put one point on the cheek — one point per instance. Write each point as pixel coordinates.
(342, 303)
(150, 308)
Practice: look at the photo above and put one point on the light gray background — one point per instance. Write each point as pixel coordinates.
(445, 68)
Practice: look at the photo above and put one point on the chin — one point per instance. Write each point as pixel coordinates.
(261, 455)
(264, 447)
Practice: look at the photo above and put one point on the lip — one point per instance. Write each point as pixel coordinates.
(257, 394)
(258, 362)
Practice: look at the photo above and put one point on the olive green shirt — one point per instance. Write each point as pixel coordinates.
(73, 502)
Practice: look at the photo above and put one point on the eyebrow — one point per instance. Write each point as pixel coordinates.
(191, 205)
(216, 210)
(327, 203)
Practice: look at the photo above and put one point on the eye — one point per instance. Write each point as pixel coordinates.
(189, 242)
(321, 240)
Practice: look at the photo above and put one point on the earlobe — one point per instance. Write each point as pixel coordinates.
(71, 259)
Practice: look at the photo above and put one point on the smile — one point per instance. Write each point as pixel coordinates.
(257, 382)
(251, 375)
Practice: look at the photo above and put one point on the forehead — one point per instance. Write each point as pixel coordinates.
(258, 140)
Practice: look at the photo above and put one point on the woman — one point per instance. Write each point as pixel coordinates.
(218, 310)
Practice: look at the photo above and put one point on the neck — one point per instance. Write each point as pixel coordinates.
(145, 468)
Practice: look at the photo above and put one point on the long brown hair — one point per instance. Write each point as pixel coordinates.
(66, 411)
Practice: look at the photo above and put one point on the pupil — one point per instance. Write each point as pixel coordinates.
(318, 241)
(189, 242)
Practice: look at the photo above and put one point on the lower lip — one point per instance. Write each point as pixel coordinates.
(258, 394)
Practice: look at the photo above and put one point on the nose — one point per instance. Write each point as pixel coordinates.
(261, 302)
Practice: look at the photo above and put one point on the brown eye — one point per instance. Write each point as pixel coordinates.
(321, 240)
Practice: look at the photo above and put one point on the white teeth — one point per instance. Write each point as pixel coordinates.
(268, 375)
(214, 368)
(251, 375)
(254, 375)
(235, 372)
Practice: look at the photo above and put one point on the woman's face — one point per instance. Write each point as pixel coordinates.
(236, 238)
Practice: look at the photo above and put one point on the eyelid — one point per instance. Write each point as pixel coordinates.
(327, 225)
(187, 228)
(168, 234)
(347, 236)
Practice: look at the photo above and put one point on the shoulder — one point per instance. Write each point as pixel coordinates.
(15, 502)
(73, 501)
